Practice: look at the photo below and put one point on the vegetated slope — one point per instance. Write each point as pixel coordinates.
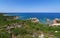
(27, 30)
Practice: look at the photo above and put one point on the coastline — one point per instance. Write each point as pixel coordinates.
(41, 16)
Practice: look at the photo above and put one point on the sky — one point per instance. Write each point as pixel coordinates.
(29, 5)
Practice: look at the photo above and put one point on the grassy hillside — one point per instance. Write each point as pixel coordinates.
(28, 29)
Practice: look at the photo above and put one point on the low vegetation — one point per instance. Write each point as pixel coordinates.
(28, 29)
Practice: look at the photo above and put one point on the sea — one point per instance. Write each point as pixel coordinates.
(41, 16)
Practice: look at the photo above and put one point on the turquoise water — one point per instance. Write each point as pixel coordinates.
(41, 16)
